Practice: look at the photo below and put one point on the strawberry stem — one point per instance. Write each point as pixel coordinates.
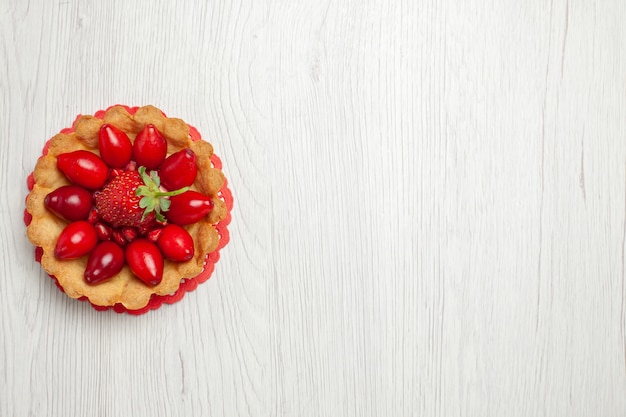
(153, 199)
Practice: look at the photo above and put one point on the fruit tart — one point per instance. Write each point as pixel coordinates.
(128, 209)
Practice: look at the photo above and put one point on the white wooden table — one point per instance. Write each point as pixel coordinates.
(429, 215)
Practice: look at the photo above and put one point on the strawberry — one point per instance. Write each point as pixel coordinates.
(134, 198)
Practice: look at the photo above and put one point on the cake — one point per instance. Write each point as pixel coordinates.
(128, 209)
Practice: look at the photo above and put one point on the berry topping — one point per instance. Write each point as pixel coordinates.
(83, 168)
(176, 243)
(105, 261)
(69, 202)
(77, 239)
(114, 145)
(133, 198)
(150, 147)
(118, 202)
(178, 170)
(188, 207)
(145, 261)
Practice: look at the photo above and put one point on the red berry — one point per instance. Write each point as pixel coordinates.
(118, 202)
(176, 243)
(188, 207)
(105, 261)
(83, 168)
(77, 239)
(114, 145)
(70, 202)
(150, 147)
(145, 261)
(178, 170)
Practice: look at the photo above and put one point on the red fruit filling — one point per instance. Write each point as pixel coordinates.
(127, 206)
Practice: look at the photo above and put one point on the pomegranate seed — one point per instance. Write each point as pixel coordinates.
(130, 233)
(104, 231)
(93, 216)
(132, 166)
(154, 234)
(115, 172)
(118, 237)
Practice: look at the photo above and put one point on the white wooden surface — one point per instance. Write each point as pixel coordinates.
(430, 208)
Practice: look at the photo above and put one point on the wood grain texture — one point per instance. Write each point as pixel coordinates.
(430, 208)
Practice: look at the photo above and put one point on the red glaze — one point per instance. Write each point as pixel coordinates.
(114, 146)
(105, 261)
(176, 243)
(178, 170)
(77, 239)
(145, 261)
(150, 148)
(69, 202)
(83, 168)
(188, 207)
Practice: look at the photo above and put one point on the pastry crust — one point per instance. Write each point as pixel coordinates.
(45, 227)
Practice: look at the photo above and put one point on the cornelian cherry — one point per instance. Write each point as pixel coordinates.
(69, 202)
(150, 147)
(145, 261)
(77, 239)
(188, 207)
(114, 146)
(105, 261)
(178, 170)
(83, 168)
(176, 243)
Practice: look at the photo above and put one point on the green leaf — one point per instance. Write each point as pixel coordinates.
(165, 204)
(159, 217)
(143, 203)
(154, 176)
